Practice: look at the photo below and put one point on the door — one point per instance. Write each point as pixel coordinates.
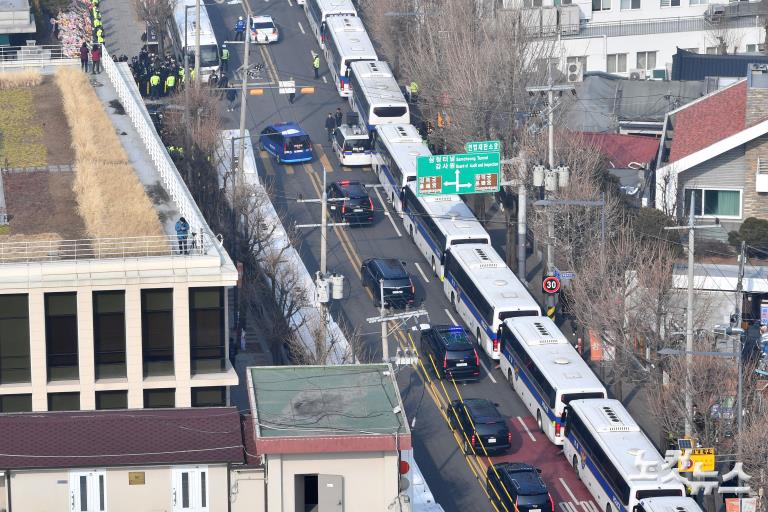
(190, 489)
(88, 491)
(330, 493)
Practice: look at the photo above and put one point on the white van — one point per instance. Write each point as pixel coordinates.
(352, 145)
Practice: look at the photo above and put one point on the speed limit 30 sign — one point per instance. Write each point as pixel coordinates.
(550, 284)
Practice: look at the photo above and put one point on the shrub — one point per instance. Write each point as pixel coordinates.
(649, 224)
(754, 231)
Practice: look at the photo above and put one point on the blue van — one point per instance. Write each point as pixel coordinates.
(287, 142)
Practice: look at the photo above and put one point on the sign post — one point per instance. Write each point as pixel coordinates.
(463, 173)
(550, 284)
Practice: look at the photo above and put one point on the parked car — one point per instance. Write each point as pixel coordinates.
(480, 425)
(287, 142)
(518, 486)
(390, 276)
(452, 350)
(357, 206)
(264, 29)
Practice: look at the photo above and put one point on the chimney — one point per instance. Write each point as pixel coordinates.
(757, 94)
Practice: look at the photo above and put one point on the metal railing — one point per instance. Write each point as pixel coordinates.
(103, 248)
(655, 26)
(35, 56)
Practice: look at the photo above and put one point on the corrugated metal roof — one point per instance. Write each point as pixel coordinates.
(694, 66)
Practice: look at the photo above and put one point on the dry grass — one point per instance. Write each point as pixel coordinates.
(19, 79)
(110, 197)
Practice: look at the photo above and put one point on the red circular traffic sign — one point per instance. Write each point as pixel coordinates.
(551, 284)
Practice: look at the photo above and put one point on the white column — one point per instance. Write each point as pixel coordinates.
(85, 349)
(133, 347)
(275, 483)
(181, 361)
(39, 373)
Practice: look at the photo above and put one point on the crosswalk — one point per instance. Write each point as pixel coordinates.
(270, 167)
(581, 506)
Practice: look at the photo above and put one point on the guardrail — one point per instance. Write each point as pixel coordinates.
(122, 80)
(655, 26)
(34, 57)
(103, 248)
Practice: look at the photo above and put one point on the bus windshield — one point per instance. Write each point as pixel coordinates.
(209, 56)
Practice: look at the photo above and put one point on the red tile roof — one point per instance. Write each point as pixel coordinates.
(709, 120)
(621, 150)
(116, 438)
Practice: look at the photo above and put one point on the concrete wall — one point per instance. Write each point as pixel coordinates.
(370, 479)
(248, 490)
(154, 496)
(134, 382)
(3, 494)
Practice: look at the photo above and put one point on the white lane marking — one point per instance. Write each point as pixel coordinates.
(300, 27)
(568, 490)
(386, 210)
(488, 372)
(568, 506)
(589, 506)
(290, 4)
(421, 272)
(325, 81)
(453, 320)
(526, 429)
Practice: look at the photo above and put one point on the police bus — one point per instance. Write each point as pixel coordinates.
(605, 447)
(485, 292)
(436, 223)
(376, 95)
(346, 42)
(318, 12)
(209, 48)
(545, 371)
(395, 150)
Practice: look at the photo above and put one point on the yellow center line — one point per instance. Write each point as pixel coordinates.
(323, 158)
(271, 68)
(266, 159)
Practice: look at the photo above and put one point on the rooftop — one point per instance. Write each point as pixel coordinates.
(120, 437)
(301, 409)
(624, 151)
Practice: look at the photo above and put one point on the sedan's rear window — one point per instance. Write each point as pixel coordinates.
(467, 354)
(533, 499)
(297, 143)
(262, 25)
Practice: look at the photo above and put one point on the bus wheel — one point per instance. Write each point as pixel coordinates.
(510, 377)
(576, 467)
(453, 300)
(538, 421)
(434, 267)
(608, 508)
(412, 234)
(477, 337)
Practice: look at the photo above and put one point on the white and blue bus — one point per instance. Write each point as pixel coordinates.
(396, 148)
(436, 223)
(346, 42)
(376, 95)
(318, 12)
(545, 371)
(209, 47)
(605, 445)
(485, 292)
(669, 504)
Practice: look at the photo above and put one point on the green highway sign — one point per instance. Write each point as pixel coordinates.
(463, 173)
(482, 147)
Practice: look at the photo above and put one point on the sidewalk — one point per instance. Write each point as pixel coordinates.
(122, 30)
(636, 397)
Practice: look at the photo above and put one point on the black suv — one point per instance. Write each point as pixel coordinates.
(452, 350)
(518, 486)
(356, 208)
(480, 425)
(399, 291)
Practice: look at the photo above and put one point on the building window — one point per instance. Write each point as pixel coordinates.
(159, 398)
(692, 50)
(109, 334)
(209, 397)
(157, 331)
(111, 400)
(699, 2)
(61, 335)
(713, 203)
(755, 48)
(532, 3)
(206, 330)
(578, 60)
(63, 401)
(15, 403)
(713, 50)
(646, 60)
(14, 339)
(601, 5)
(630, 4)
(617, 63)
(670, 3)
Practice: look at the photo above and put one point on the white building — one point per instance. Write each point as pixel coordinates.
(637, 38)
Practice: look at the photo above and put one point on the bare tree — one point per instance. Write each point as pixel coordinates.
(156, 14)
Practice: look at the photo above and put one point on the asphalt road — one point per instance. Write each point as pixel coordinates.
(457, 481)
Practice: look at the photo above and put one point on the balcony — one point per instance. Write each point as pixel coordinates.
(655, 26)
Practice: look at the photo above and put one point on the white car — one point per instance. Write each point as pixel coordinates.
(264, 30)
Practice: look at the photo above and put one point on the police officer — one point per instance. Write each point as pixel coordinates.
(154, 84)
(224, 58)
(97, 22)
(182, 76)
(413, 89)
(193, 74)
(240, 29)
(316, 66)
(100, 35)
(182, 233)
(330, 125)
(170, 83)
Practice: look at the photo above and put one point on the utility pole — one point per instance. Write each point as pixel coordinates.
(522, 228)
(384, 319)
(244, 85)
(384, 340)
(739, 303)
(691, 227)
(197, 43)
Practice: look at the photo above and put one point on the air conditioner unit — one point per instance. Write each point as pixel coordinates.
(637, 74)
(715, 12)
(575, 73)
